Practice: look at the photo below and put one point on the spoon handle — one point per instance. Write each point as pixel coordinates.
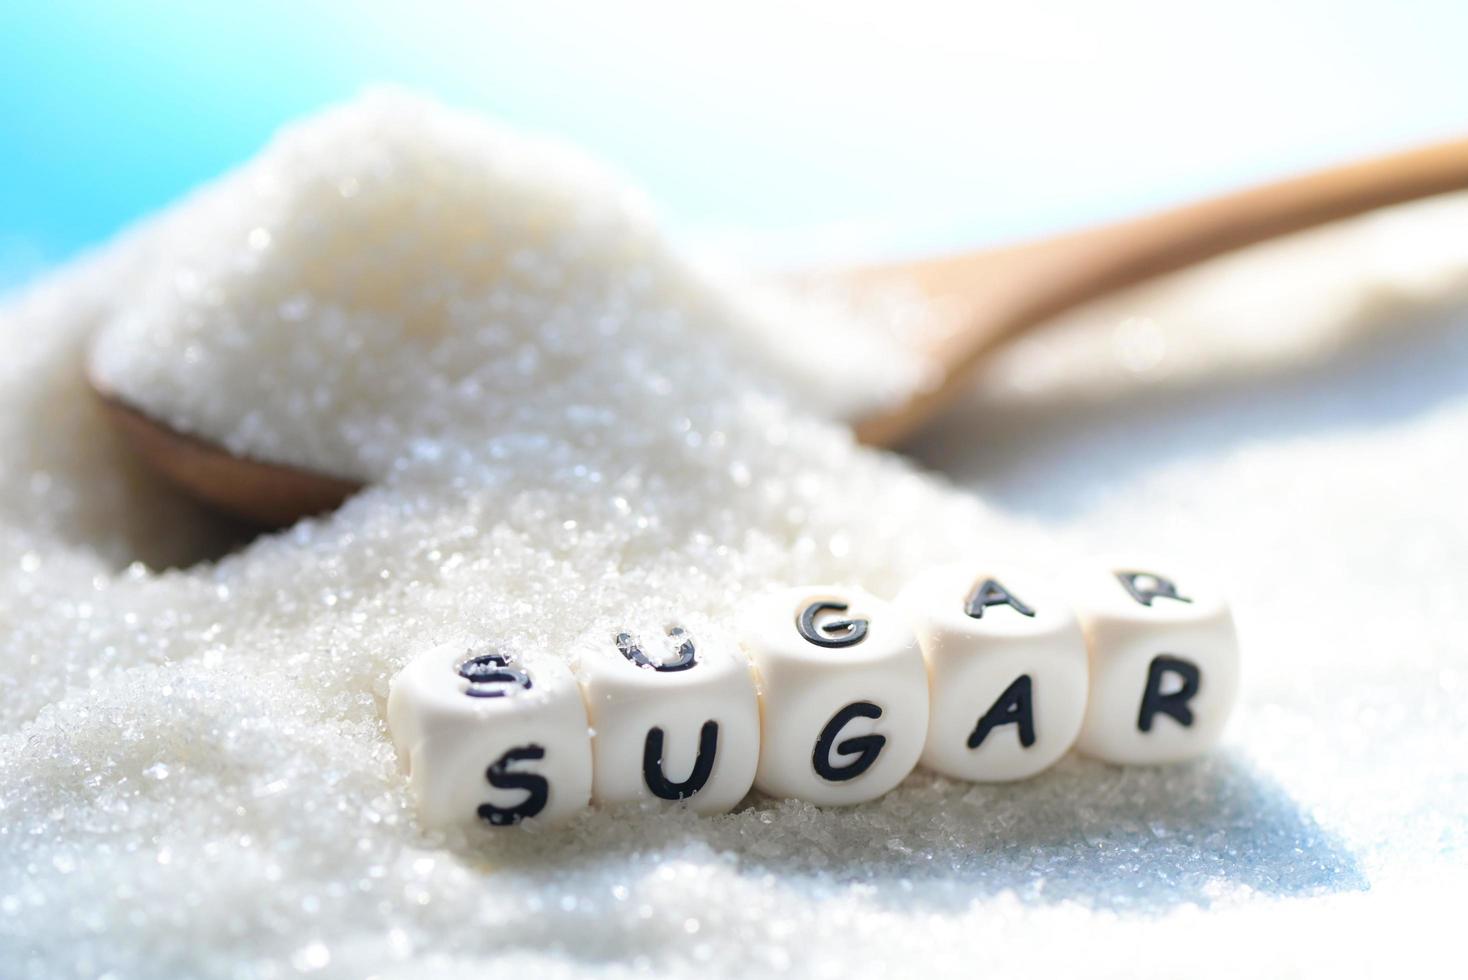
(1001, 294)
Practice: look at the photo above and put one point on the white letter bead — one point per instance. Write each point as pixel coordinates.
(1006, 670)
(844, 694)
(1164, 661)
(489, 739)
(674, 719)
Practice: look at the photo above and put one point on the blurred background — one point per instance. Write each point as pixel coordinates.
(778, 132)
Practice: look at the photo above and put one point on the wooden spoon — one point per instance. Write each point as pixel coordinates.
(998, 294)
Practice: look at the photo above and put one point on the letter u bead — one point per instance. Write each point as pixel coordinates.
(675, 718)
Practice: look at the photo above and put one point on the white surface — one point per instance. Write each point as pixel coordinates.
(196, 778)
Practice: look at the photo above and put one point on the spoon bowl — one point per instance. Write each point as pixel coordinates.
(270, 495)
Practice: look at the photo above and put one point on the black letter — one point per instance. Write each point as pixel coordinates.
(867, 745)
(1145, 586)
(848, 632)
(490, 674)
(630, 649)
(499, 776)
(1014, 707)
(991, 593)
(652, 764)
(1154, 702)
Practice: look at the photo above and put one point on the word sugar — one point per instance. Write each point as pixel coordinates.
(976, 672)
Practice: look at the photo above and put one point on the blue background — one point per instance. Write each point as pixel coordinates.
(778, 132)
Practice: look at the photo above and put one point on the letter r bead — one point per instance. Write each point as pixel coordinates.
(1164, 660)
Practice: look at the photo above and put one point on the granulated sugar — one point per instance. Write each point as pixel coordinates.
(568, 428)
(393, 272)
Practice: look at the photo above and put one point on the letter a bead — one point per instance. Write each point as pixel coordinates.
(1164, 660)
(844, 694)
(1006, 668)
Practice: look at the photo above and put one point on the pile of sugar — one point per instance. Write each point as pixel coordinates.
(394, 280)
(569, 428)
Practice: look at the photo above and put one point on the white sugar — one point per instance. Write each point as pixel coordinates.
(393, 272)
(568, 427)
